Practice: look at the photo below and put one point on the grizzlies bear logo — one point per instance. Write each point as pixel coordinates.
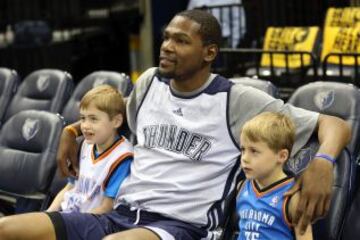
(30, 128)
(324, 99)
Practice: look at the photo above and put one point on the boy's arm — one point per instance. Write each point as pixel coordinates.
(307, 235)
(56, 204)
(105, 206)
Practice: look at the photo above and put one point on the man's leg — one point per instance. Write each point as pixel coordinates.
(27, 226)
(133, 234)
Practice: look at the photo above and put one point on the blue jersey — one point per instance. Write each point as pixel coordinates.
(262, 213)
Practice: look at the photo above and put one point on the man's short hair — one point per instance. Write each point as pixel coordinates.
(105, 98)
(210, 30)
(275, 129)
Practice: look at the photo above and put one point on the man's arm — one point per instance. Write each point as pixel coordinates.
(316, 182)
(68, 150)
(293, 203)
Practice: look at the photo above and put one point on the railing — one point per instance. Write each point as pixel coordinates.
(353, 69)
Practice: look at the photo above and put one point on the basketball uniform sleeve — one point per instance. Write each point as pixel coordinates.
(117, 178)
(246, 102)
(136, 96)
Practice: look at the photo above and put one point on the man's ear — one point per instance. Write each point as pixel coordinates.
(118, 120)
(283, 155)
(210, 53)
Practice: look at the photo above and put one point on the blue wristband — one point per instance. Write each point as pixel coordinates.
(326, 157)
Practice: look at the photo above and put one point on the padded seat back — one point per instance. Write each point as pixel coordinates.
(9, 81)
(46, 89)
(28, 146)
(118, 80)
(336, 99)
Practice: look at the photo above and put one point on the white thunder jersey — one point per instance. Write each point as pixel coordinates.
(185, 160)
(94, 174)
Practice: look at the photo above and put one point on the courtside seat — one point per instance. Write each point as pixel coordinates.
(46, 89)
(28, 146)
(336, 99)
(351, 229)
(330, 227)
(262, 85)
(118, 80)
(9, 81)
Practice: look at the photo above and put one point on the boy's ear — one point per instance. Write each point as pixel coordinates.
(118, 120)
(283, 155)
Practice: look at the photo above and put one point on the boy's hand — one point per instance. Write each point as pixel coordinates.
(315, 186)
(67, 155)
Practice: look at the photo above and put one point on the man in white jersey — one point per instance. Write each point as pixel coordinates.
(187, 123)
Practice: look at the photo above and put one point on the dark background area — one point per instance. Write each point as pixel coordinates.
(102, 30)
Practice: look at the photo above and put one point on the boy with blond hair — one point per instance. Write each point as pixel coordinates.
(104, 156)
(264, 212)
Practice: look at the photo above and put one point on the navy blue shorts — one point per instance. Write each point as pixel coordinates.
(85, 226)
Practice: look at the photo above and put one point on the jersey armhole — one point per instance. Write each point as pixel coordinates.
(286, 212)
(240, 186)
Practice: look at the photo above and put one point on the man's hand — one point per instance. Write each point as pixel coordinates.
(67, 154)
(315, 186)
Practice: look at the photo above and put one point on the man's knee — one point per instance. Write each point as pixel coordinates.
(5, 229)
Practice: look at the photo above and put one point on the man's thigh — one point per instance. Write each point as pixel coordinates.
(134, 234)
(79, 226)
(27, 226)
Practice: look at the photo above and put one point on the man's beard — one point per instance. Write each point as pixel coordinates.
(166, 74)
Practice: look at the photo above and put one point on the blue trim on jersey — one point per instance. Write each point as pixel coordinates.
(217, 206)
(218, 84)
(228, 119)
(117, 178)
(146, 93)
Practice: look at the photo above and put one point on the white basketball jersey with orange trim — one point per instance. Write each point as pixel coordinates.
(185, 160)
(94, 173)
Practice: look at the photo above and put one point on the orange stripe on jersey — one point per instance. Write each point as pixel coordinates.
(107, 152)
(262, 193)
(114, 166)
(285, 212)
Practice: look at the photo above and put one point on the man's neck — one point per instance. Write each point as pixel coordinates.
(190, 84)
